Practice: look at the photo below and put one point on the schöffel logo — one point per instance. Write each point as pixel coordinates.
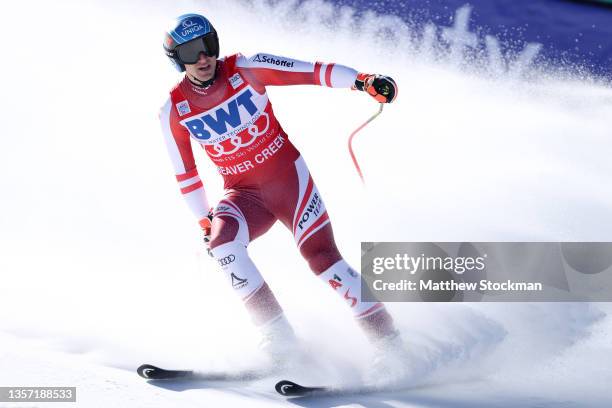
(215, 121)
(273, 61)
(227, 260)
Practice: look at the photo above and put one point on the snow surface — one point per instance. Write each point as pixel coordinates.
(101, 264)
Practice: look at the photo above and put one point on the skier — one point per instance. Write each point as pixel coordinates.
(222, 104)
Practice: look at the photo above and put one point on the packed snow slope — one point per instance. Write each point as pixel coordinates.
(101, 265)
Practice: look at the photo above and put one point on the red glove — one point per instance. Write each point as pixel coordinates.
(206, 225)
(380, 87)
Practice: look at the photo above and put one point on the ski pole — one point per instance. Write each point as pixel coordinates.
(350, 141)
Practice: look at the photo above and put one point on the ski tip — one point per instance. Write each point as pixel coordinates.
(291, 389)
(146, 370)
(286, 387)
(150, 372)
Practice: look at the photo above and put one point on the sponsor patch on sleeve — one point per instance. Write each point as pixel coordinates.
(236, 80)
(183, 108)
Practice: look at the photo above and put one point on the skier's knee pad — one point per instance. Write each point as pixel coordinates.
(228, 224)
(320, 250)
(240, 270)
(347, 283)
(322, 260)
(224, 230)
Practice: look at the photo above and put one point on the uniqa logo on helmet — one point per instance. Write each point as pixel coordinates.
(189, 27)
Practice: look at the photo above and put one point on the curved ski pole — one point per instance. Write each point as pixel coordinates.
(350, 141)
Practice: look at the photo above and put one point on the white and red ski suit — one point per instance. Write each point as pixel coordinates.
(265, 177)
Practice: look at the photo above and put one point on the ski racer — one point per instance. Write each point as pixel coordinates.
(221, 103)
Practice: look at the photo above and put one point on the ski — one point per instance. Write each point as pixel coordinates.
(290, 389)
(151, 372)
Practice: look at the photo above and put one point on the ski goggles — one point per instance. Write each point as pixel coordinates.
(189, 53)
